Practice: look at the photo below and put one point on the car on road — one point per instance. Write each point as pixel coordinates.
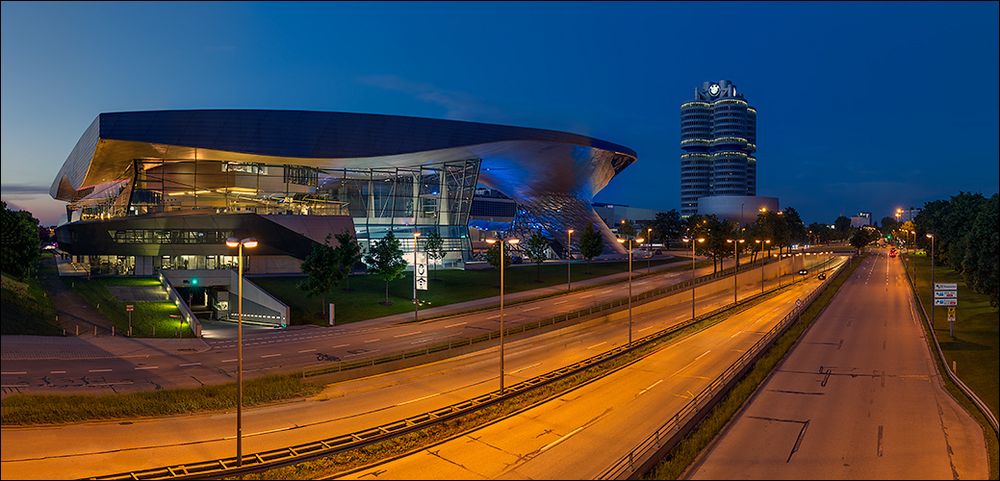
(821, 276)
(803, 272)
(892, 252)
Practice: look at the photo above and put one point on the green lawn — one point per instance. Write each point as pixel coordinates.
(25, 309)
(364, 300)
(149, 319)
(975, 348)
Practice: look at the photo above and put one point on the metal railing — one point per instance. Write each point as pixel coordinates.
(303, 452)
(983, 408)
(644, 456)
(193, 322)
(586, 312)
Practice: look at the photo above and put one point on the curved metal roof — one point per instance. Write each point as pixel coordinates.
(516, 160)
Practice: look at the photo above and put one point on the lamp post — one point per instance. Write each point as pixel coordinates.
(649, 254)
(691, 240)
(630, 241)
(249, 243)
(502, 256)
(416, 300)
(931, 237)
(758, 241)
(736, 268)
(569, 257)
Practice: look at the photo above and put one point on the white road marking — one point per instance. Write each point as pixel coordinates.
(525, 367)
(409, 334)
(339, 345)
(143, 368)
(531, 309)
(99, 370)
(651, 386)
(271, 355)
(457, 324)
(703, 354)
(229, 360)
(643, 329)
(737, 334)
(418, 399)
(557, 441)
(372, 340)
(57, 372)
(13, 373)
(598, 344)
(306, 350)
(560, 302)
(494, 316)
(191, 364)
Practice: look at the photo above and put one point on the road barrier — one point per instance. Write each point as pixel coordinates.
(649, 452)
(274, 458)
(980, 405)
(462, 345)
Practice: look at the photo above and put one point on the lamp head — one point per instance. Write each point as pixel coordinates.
(513, 241)
(640, 240)
(491, 241)
(249, 242)
(232, 242)
(620, 240)
(701, 239)
(570, 231)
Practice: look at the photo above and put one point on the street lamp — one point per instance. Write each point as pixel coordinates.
(649, 254)
(502, 256)
(931, 237)
(249, 243)
(569, 257)
(630, 241)
(691, 240)
(736, 268)
(768, 242)
(416, 300)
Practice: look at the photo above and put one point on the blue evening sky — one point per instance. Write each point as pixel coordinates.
(862, 106)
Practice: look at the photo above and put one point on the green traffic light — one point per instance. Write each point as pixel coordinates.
(194, 281)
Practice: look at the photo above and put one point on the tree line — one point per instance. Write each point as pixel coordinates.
(20, 244)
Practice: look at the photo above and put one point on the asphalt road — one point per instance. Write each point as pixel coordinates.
(858, 398)
(122, 364)
(583, 432)
(88, 449)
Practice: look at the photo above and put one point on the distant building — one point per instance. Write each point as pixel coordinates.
(741, 208)
(718, 140)
(862, 219)
(613, 214)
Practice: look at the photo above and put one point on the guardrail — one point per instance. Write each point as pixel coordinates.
(592, 310)
(186, 311)
(983, 408)
(641, 458)
(303, 452)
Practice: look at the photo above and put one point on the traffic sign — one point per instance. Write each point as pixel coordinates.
(946, 294)
(129, 307)
(941, 286)
(945, 302)
(951, 314)
(421, 271)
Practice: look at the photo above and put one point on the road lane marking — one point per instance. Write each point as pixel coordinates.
(57, 372)
(372, 340)
(586, 296)
(143, 368)
(229, 360)
(651, 386)
(457, 324)
(13, 373)
(598, 344)
(737, 334)
(99, 370)
(271, 355)
(531, 309)
(703, 354)
(525, 367)
(494, 316)
(409, 334)
(306, 350)
(418, 399)
(560, 302)
(339, 345)
(647, 327)
(191, 364)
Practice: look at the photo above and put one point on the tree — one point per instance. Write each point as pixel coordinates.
(626, 228)
(385, 260)
(591, 244)
(980, 264)
(842, 226)
(536, 249)
(493, 255)
(434, 246)
(347, 254)
(667, 226)
(322, 270)
(19, 242)
(859, 239)
(793, 222)
(888, 224)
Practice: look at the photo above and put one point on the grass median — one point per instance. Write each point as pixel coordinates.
(685, 452)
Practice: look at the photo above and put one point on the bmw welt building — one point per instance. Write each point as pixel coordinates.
(164, 189)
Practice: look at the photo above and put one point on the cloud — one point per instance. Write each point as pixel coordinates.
(23, 190)
(457, 105)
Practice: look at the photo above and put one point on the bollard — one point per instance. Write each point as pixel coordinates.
(95, 331)
(954, 367)
(112, 330)
(77, 329)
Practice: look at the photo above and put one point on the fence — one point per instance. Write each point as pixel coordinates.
(641, 458)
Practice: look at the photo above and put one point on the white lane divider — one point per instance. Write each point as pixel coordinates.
(557, 441)
(525, 367)
(651, 386)
(229, 360)
(645, 328)
(494, 316)
(306, 350)
(270, 355)
(737, 334)
(99, 370)
(189, 364)
(372, 340)
(409, 334)
(145, 368)
(598, 344)
(13, 373)
(418, 399)
(457, 324)
(339, 345)
(560, 302)
(531, 309)
(57, 372)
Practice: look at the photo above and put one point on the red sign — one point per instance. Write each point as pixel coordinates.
(129, 308)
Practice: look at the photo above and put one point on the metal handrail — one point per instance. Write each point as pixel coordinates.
(302, 452)
(671, 431)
